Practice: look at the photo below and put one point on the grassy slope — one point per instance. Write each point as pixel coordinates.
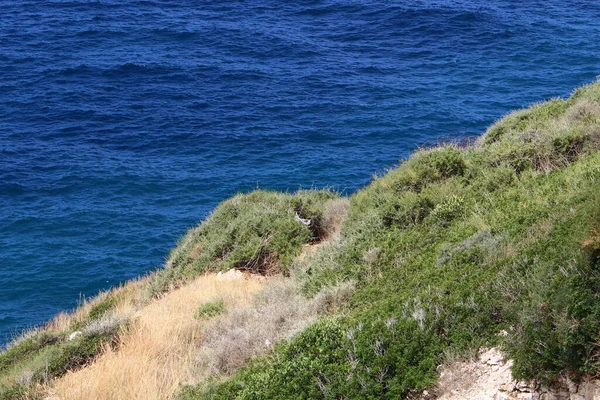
(160, 349)
(257, 232)
(452, 247)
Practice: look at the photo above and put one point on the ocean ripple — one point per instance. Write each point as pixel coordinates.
(125, 123)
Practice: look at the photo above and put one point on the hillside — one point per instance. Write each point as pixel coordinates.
(464, 246)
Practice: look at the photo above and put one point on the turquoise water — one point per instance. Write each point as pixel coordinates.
(124, 123)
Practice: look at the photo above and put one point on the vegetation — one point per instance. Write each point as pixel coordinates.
(434, 259)
(47, 353)
(160, 350)
(257, 232)
(210, 309)
(448, 250)
(45, 356)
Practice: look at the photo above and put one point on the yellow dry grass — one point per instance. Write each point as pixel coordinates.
(157, 353)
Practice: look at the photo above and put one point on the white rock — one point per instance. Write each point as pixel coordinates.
(230, 275)
(507, 387)
(73, 335)
(524, 387)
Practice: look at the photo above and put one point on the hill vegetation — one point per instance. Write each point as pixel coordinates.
(495, 242)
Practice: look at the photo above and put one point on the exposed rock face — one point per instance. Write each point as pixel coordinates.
(490, 378)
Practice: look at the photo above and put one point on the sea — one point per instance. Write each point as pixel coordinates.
(124, 123)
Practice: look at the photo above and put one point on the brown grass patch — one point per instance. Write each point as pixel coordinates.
(156, 353)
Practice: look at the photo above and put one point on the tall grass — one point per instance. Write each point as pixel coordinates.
(158, 352)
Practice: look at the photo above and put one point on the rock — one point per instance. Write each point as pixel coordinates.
(526, 396)
(501, 396)
(524, 387)
(490, 378)
(507, 387)
(230, 275)
(492, 357)
(589, 390)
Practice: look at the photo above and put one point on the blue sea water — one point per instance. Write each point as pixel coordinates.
(123, 123)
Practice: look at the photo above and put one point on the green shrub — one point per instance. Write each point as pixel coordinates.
(557, 307)
(101, 308)
(383, 360)
(406, 210)
(45, 356)
(569, 145)
(426, 167)
(25, 349)
(209, 310)
(54, 361)
(536, 117)
(257, 231)
(448, 210)
(13, 392)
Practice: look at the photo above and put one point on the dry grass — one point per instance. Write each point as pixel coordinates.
(279, 311)
(334, 212)
(165, 346)
(156, 353)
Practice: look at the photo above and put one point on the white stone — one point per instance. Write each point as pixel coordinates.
(230, 275)
(507, 387)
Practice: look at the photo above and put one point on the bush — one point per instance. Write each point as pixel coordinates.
(557, 307)
(277, 312)
(55, 361)
(405, 210)
(384, 360)
(209, 310)
(448, 210)
(569, 145)
(426, 167)
(13, 392)
(257, 231)
(334, 212)
(536, 117)
(25, 349)
(46, 355)
(102, 307)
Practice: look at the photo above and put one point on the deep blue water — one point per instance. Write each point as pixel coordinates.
(123, 123)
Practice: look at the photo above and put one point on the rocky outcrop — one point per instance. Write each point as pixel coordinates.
(489, 378)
